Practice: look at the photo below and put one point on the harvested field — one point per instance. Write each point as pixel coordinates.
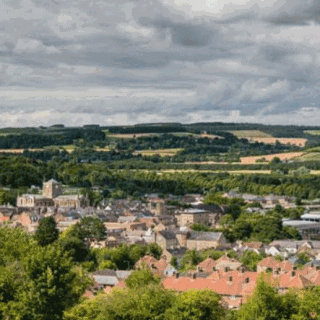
(160, 152)
(202, 135)
(269, 157)
(246, 134)
(17, 150)
(131, 135)
(299, 142)
(179, 134)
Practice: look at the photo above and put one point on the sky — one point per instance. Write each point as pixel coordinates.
(122, 62)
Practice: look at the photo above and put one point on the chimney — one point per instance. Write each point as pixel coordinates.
(177, 275)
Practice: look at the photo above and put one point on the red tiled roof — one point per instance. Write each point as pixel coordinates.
(253, 245)
(207, 265)
(269, 262)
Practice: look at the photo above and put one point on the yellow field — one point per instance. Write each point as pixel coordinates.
(246, 134)
(132, 135)
(299, 142)
(17, 150)
(160, 152)
(202, 135)
(269, 157)
(181, 134)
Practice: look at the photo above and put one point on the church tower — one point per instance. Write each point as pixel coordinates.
(51, 189)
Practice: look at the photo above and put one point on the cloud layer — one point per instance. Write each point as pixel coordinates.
(128, 61)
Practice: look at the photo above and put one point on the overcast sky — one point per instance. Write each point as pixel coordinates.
(125, 62)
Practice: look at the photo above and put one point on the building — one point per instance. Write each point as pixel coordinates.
(307, 229)
(205, 240)
(195, 215)
(52, 197)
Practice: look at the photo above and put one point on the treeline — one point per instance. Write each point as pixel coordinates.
(19, 172)
(195, 145)
(47, 138)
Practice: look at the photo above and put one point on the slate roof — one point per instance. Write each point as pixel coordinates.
(205, 236)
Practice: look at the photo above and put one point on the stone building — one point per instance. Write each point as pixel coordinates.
(52, 197)
(195, 215)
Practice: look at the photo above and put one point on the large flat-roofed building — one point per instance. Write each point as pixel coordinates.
(52, 197)
(307, 229)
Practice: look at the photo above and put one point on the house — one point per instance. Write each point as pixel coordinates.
(166, 239)
(109, 278)
(158, 267)
(205, 240)
(207, 266)
(196, 215)
(274, 266)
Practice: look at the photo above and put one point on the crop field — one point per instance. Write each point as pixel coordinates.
(17, 150)
(299, 142)
(312, 132)
(311, 156)
(131, 135)
(248, 134)
(202, 135)
(160, 152)
(269, 157)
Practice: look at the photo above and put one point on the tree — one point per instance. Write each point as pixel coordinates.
(74, 248)
(107, 264)
(48, 285)
(197, 305)
(155, 250)
(174, 262)
(142, 303)
(47, 231)
(308, 307)
(141, 278)
(251, 259)
(267, 304)
(90, 229)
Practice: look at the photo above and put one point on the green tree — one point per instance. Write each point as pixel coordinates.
(142, 303)
(87, 309)
(141, 278)
(47, 231)
(267, 304)
(251, 259)
(308, 307)
(74, 248)
(174, 262)
(197, 305)
(90, 229)
(48, 286)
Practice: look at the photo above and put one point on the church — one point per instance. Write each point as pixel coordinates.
(52, 197)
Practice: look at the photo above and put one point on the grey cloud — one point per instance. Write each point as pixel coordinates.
(178, 65)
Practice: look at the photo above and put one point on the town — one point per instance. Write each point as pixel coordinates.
(172, 224)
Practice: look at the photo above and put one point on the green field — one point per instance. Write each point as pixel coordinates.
(250, 134)
(312, 156)
(312, 132)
